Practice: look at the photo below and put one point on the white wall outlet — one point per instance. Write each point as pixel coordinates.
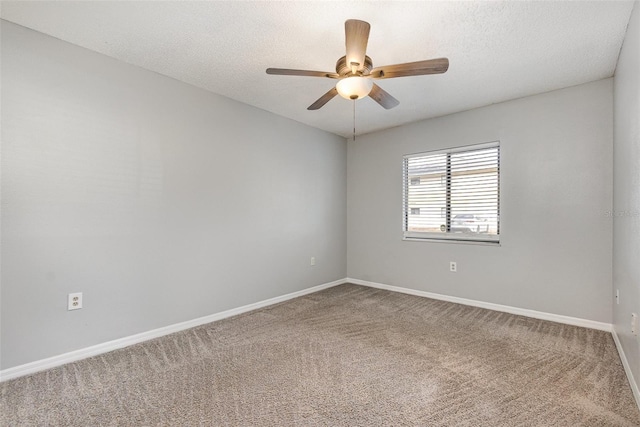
(313, 261)
(453, 266)
(617, 296)
(634, 324)
(74, 301)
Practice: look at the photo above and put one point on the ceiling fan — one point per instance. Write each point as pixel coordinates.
(355, 72)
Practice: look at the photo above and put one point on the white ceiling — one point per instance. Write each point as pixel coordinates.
(497, 50)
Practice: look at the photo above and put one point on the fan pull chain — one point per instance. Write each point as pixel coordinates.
(354, 120)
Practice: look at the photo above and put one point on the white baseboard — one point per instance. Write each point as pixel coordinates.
(51, 362)
(627, 368)
(575, 321)
(94, 350)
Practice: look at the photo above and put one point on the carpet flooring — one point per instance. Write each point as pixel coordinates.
(345, 356)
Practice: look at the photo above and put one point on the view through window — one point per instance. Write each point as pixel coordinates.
(453, 194)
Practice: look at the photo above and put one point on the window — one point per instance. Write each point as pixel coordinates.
(453, 194)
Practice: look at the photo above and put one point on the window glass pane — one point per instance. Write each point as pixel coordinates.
(474, 191)
(426, 193)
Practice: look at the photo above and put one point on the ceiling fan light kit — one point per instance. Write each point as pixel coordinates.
(355, 72)
(354, 87)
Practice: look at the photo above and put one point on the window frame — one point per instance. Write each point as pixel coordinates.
(449, 237)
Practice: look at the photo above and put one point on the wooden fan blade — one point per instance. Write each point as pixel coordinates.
(323, 99)
(383, 98)
(308, 73)
(418, 68)
(356, 38)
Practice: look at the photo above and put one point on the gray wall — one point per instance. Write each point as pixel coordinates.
(626, 196)
(556, 191)
(159, 201)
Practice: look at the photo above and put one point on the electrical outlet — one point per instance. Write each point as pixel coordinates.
(74, 301)
(453, 266)
(617, 296)
(313, 260)
(634, 324)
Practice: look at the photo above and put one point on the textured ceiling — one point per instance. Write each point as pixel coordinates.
(497, 50)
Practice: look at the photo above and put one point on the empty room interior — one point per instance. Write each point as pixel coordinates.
(320, 213)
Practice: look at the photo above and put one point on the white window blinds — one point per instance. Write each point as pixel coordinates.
(453, 194)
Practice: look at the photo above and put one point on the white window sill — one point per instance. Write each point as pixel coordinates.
(455, 241)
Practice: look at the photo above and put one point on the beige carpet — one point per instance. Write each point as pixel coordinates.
(346, 356)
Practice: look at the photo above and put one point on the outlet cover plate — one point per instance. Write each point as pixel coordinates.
(74, 302)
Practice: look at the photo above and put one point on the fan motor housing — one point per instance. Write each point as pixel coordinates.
(343, 69)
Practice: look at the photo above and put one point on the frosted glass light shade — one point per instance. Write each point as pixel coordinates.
(354, 87)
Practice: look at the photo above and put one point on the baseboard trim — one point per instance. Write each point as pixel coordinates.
(94, 350)
(575, 321)
(627, 368)
(51, 362)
